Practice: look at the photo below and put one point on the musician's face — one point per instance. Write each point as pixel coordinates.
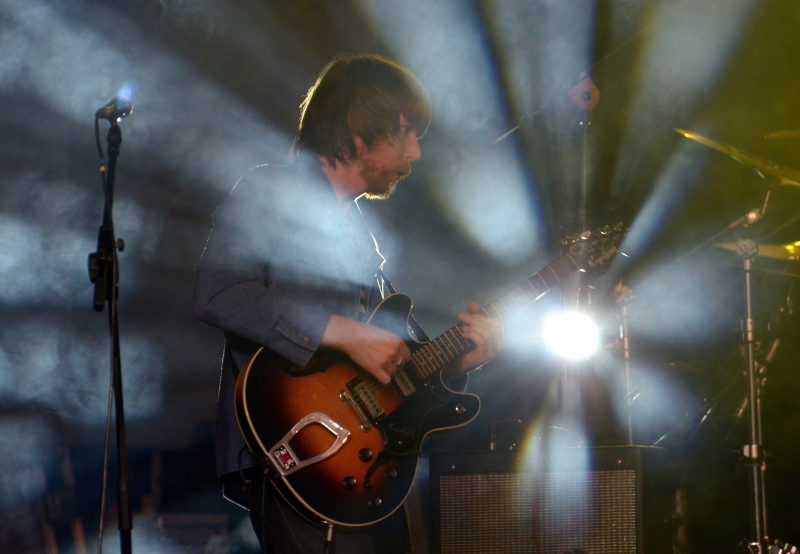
(383, 165)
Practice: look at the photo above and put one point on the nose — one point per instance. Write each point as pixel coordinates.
(411, 151)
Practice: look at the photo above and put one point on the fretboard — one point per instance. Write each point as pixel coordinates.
(451, 344)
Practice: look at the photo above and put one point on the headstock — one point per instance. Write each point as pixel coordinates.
(594, 250)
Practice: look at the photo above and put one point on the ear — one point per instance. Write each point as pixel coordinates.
(360, 146)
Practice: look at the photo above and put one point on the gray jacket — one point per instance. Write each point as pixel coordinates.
(280, 260)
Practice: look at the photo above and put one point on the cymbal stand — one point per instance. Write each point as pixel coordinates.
(753, 452)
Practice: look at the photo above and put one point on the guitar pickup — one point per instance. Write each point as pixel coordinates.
(404, 384)
(360, 391)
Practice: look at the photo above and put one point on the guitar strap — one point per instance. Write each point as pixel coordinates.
(414, 327)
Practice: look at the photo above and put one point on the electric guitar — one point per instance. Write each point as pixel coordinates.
(340, 447)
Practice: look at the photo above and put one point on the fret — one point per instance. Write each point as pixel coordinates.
(434, 347)
(432, 361)
(533, 292)
(532, 288)
(417, 371)
(501, 310)
(455, 332)
(429, 368)
(544, 286)
(551, 279)
(453, 346)
(443, 355)
(424, 366)
(562, 269)
(433, 356)
(506, 305)
(574, 265)
(496, 311)
(419, 364)
(520, 301)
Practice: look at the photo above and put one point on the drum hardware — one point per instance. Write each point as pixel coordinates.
(753, 452)
(748, 250)
(776, 272)
(763, 166)
(789, 133)
(787, 252)
(781, 547)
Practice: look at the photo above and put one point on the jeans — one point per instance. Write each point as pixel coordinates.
(281, 530)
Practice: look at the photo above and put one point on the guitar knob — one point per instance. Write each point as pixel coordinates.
(390, 473)
(350, 483)
(376, 502)
(365, 454)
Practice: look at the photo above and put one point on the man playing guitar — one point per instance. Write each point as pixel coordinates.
(290, 266)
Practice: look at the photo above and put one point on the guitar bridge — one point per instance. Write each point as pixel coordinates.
(345, 396)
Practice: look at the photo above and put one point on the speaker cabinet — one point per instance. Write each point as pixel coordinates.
(613, 500)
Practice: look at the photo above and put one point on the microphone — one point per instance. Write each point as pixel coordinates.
(115, 110)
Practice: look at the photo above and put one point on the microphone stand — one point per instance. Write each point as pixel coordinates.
(104, 273)
(623, 296)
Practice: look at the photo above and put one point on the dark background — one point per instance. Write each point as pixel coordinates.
(216, 88)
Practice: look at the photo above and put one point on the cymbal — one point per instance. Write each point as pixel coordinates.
(789, 133)
(787, 175)
(788, 252)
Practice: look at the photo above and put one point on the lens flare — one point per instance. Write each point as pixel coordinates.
(571, 335)
(127, 90)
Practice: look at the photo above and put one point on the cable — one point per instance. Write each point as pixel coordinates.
(289, 527)
(100, 152)
(105, 466)
(262, 519)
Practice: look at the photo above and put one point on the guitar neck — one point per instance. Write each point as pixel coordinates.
(451, 344)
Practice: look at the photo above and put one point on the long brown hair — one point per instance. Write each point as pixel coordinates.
(360, 96)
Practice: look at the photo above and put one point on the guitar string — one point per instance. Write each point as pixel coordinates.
(379, 392)
(431, 358)
(429, 353)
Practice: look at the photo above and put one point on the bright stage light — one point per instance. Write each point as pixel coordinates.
(571, 335)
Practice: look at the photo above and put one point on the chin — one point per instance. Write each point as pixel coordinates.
(382, 192)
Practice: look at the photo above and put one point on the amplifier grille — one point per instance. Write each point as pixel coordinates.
(491, 513)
